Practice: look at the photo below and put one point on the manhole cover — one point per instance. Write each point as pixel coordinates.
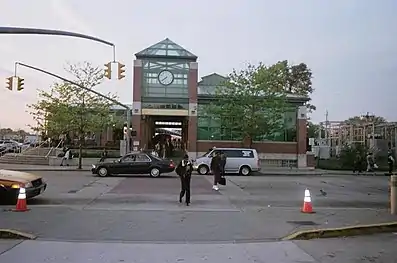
(303, 223)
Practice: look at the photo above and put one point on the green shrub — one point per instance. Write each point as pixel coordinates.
(347, 157)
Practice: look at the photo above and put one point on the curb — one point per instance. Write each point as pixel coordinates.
(47, 170)
(14, 234)
(356, 230)
(288, 174)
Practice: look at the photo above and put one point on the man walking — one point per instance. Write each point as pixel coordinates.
(223, 159)
(216, 170)
(390, 162)
(184, 170)
(66, 157)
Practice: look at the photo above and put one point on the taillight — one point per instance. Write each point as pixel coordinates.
(259, 164)
(172, 164)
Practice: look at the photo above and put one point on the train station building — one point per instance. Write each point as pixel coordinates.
(167, 89)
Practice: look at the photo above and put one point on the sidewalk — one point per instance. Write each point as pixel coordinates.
(31, 168)
(50, 251)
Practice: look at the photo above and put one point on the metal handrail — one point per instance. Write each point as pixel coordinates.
(52, 148)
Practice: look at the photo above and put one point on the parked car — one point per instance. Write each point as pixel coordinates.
(11, 181)
(10, 145)
(241, 161)
(135, 163)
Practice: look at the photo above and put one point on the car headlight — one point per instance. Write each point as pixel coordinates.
(93, 166)
(27, 185)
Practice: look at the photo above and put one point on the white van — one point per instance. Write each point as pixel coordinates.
(239, 161)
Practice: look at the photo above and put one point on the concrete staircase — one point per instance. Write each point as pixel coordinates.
(12, 158)
(32, 156)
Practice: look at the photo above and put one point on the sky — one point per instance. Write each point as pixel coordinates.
(350, 45)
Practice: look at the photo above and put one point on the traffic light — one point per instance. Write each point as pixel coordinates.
(9, 82)
(108, 70)
(20, 83)
(121, 70)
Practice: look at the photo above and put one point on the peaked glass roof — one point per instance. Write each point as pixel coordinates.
(166, 48)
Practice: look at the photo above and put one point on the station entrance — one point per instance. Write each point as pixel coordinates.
(167, 135)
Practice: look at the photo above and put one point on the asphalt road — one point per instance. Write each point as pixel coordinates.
(78, 206)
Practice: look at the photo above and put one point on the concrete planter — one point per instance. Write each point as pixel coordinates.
(56, 161)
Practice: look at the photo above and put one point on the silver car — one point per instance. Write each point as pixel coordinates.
(239, 161)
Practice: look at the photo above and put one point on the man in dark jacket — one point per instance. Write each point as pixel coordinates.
(390, 162)
(216, 170)
(184, 170)
(223, 159)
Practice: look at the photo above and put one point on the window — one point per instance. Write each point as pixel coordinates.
(128, 159)
(142, 158)
(239, 153)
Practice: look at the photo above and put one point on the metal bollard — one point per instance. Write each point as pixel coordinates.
(393, 194)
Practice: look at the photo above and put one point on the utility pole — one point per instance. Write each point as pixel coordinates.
(327, 128)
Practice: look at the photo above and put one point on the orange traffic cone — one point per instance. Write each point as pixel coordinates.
(21, 203)
(307, 203)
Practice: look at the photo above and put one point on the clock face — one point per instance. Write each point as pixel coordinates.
(166, 77)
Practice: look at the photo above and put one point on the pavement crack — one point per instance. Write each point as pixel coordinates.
(10, 248)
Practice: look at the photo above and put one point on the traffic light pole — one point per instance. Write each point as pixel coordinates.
(39, 31)
(86, 89)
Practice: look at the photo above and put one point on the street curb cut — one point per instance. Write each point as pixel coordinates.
(356, 230)
(14, 234)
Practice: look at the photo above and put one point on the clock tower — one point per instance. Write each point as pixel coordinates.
(165, 77)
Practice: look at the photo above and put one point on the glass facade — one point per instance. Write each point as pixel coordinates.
(151, 86)
(210, 128)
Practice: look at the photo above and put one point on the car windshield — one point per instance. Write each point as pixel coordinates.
(205, 154)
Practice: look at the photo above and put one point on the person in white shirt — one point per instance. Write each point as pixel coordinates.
(66, 158)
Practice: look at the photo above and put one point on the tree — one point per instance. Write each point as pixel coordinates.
(69, 109)
(362, 120)
(312, 130)
(298, 81)
(251, 103)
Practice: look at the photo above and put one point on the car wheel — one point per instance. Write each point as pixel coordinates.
(203, 169)
(154, 172)
(245, 170)
(103, 172)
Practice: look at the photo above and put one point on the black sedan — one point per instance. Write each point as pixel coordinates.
(134, 163)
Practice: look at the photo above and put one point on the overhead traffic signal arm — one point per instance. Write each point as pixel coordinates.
(108, 70)
(9, 82)
(121, 70)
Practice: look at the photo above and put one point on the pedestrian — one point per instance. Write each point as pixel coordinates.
(357, 166)
(66, 157)
(216, 170)
(223, 163)
(370, 162)
(104, 155)
(390, 162)
(184, 170)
